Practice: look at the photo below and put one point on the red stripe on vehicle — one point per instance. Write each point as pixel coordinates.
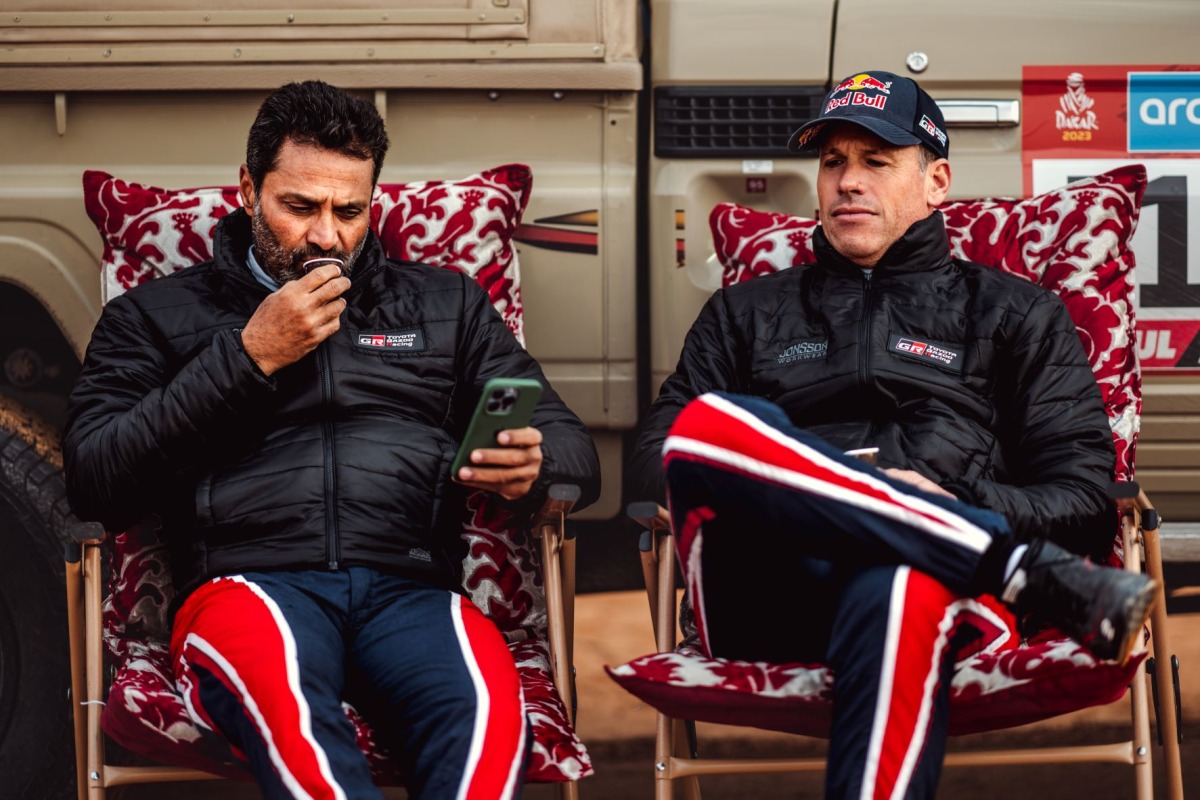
(583, 241)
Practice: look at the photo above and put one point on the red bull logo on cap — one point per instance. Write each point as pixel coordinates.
(807, 136)
(877, 101)
(862, 81)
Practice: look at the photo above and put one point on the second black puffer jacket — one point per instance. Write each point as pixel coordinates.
(972, 377)
(339, 459)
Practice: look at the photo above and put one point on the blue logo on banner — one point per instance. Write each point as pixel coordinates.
(1164, 112)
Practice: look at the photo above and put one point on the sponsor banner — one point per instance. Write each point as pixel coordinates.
(1099, 111)
(1168, 344)
(1081, 120)
(1164, 112)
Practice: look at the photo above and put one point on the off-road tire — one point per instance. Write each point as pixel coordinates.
(36, 742)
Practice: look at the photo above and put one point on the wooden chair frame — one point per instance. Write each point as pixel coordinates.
(85, 595)
(675, 757)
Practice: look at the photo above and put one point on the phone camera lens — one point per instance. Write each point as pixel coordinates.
(493, 405)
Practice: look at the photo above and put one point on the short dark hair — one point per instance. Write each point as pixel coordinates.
(926, 156)
(315, 113)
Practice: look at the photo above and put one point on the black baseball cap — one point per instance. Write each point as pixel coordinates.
(893, 108)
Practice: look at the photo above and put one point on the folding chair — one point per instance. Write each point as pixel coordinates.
(1074, 241)
(119, 586)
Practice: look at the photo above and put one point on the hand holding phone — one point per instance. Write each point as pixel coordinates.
(500, 451)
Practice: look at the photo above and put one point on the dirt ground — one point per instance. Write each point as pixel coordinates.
(614, 627)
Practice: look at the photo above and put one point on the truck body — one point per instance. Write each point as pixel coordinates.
(636, 119)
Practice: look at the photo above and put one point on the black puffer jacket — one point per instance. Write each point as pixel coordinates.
(342, 458)
(974, 378)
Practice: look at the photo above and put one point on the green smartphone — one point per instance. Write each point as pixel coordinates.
(504, 404)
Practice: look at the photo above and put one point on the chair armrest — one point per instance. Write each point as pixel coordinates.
(649, 514)
(80, 534)
(1123, 490)
(560, 499)
(86, 532)
(657, 554)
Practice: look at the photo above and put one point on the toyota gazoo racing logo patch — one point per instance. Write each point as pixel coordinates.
(391, 341)
(933, 130)
(929, 352)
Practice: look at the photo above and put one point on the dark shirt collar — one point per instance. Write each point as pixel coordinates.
(923, 246)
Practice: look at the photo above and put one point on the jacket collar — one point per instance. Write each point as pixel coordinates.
(923, 246)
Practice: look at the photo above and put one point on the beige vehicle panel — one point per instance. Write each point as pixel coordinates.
(168, 44)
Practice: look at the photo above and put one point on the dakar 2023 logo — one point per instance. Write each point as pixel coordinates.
(1075, 117)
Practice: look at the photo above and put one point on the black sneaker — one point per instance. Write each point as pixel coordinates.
(1102, 608)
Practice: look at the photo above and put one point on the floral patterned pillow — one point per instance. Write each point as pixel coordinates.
(465, 224)
(1073, 240)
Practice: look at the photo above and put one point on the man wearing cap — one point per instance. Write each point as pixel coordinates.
(993, 453)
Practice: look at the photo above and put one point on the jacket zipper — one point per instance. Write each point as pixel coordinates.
(864, 331)
(332, 544)
(864, 348)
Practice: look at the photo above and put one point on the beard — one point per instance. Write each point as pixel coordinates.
(287, 265)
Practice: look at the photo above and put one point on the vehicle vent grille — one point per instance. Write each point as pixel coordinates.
(731, 121)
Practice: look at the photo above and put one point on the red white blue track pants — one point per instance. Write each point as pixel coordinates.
(265, 660)
(867, 574)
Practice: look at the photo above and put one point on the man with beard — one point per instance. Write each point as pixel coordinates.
(302, 476)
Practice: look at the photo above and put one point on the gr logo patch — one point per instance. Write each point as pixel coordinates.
(938, 354)
(408, 341)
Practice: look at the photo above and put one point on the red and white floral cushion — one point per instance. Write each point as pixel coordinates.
(465, 225)
(999, 682)
(1075, 241)
(990, 691)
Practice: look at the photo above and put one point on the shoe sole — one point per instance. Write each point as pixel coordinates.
(1138, 612)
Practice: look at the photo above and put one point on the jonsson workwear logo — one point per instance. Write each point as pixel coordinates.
(804, 351)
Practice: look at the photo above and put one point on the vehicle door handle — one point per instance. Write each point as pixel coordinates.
(981, 113)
